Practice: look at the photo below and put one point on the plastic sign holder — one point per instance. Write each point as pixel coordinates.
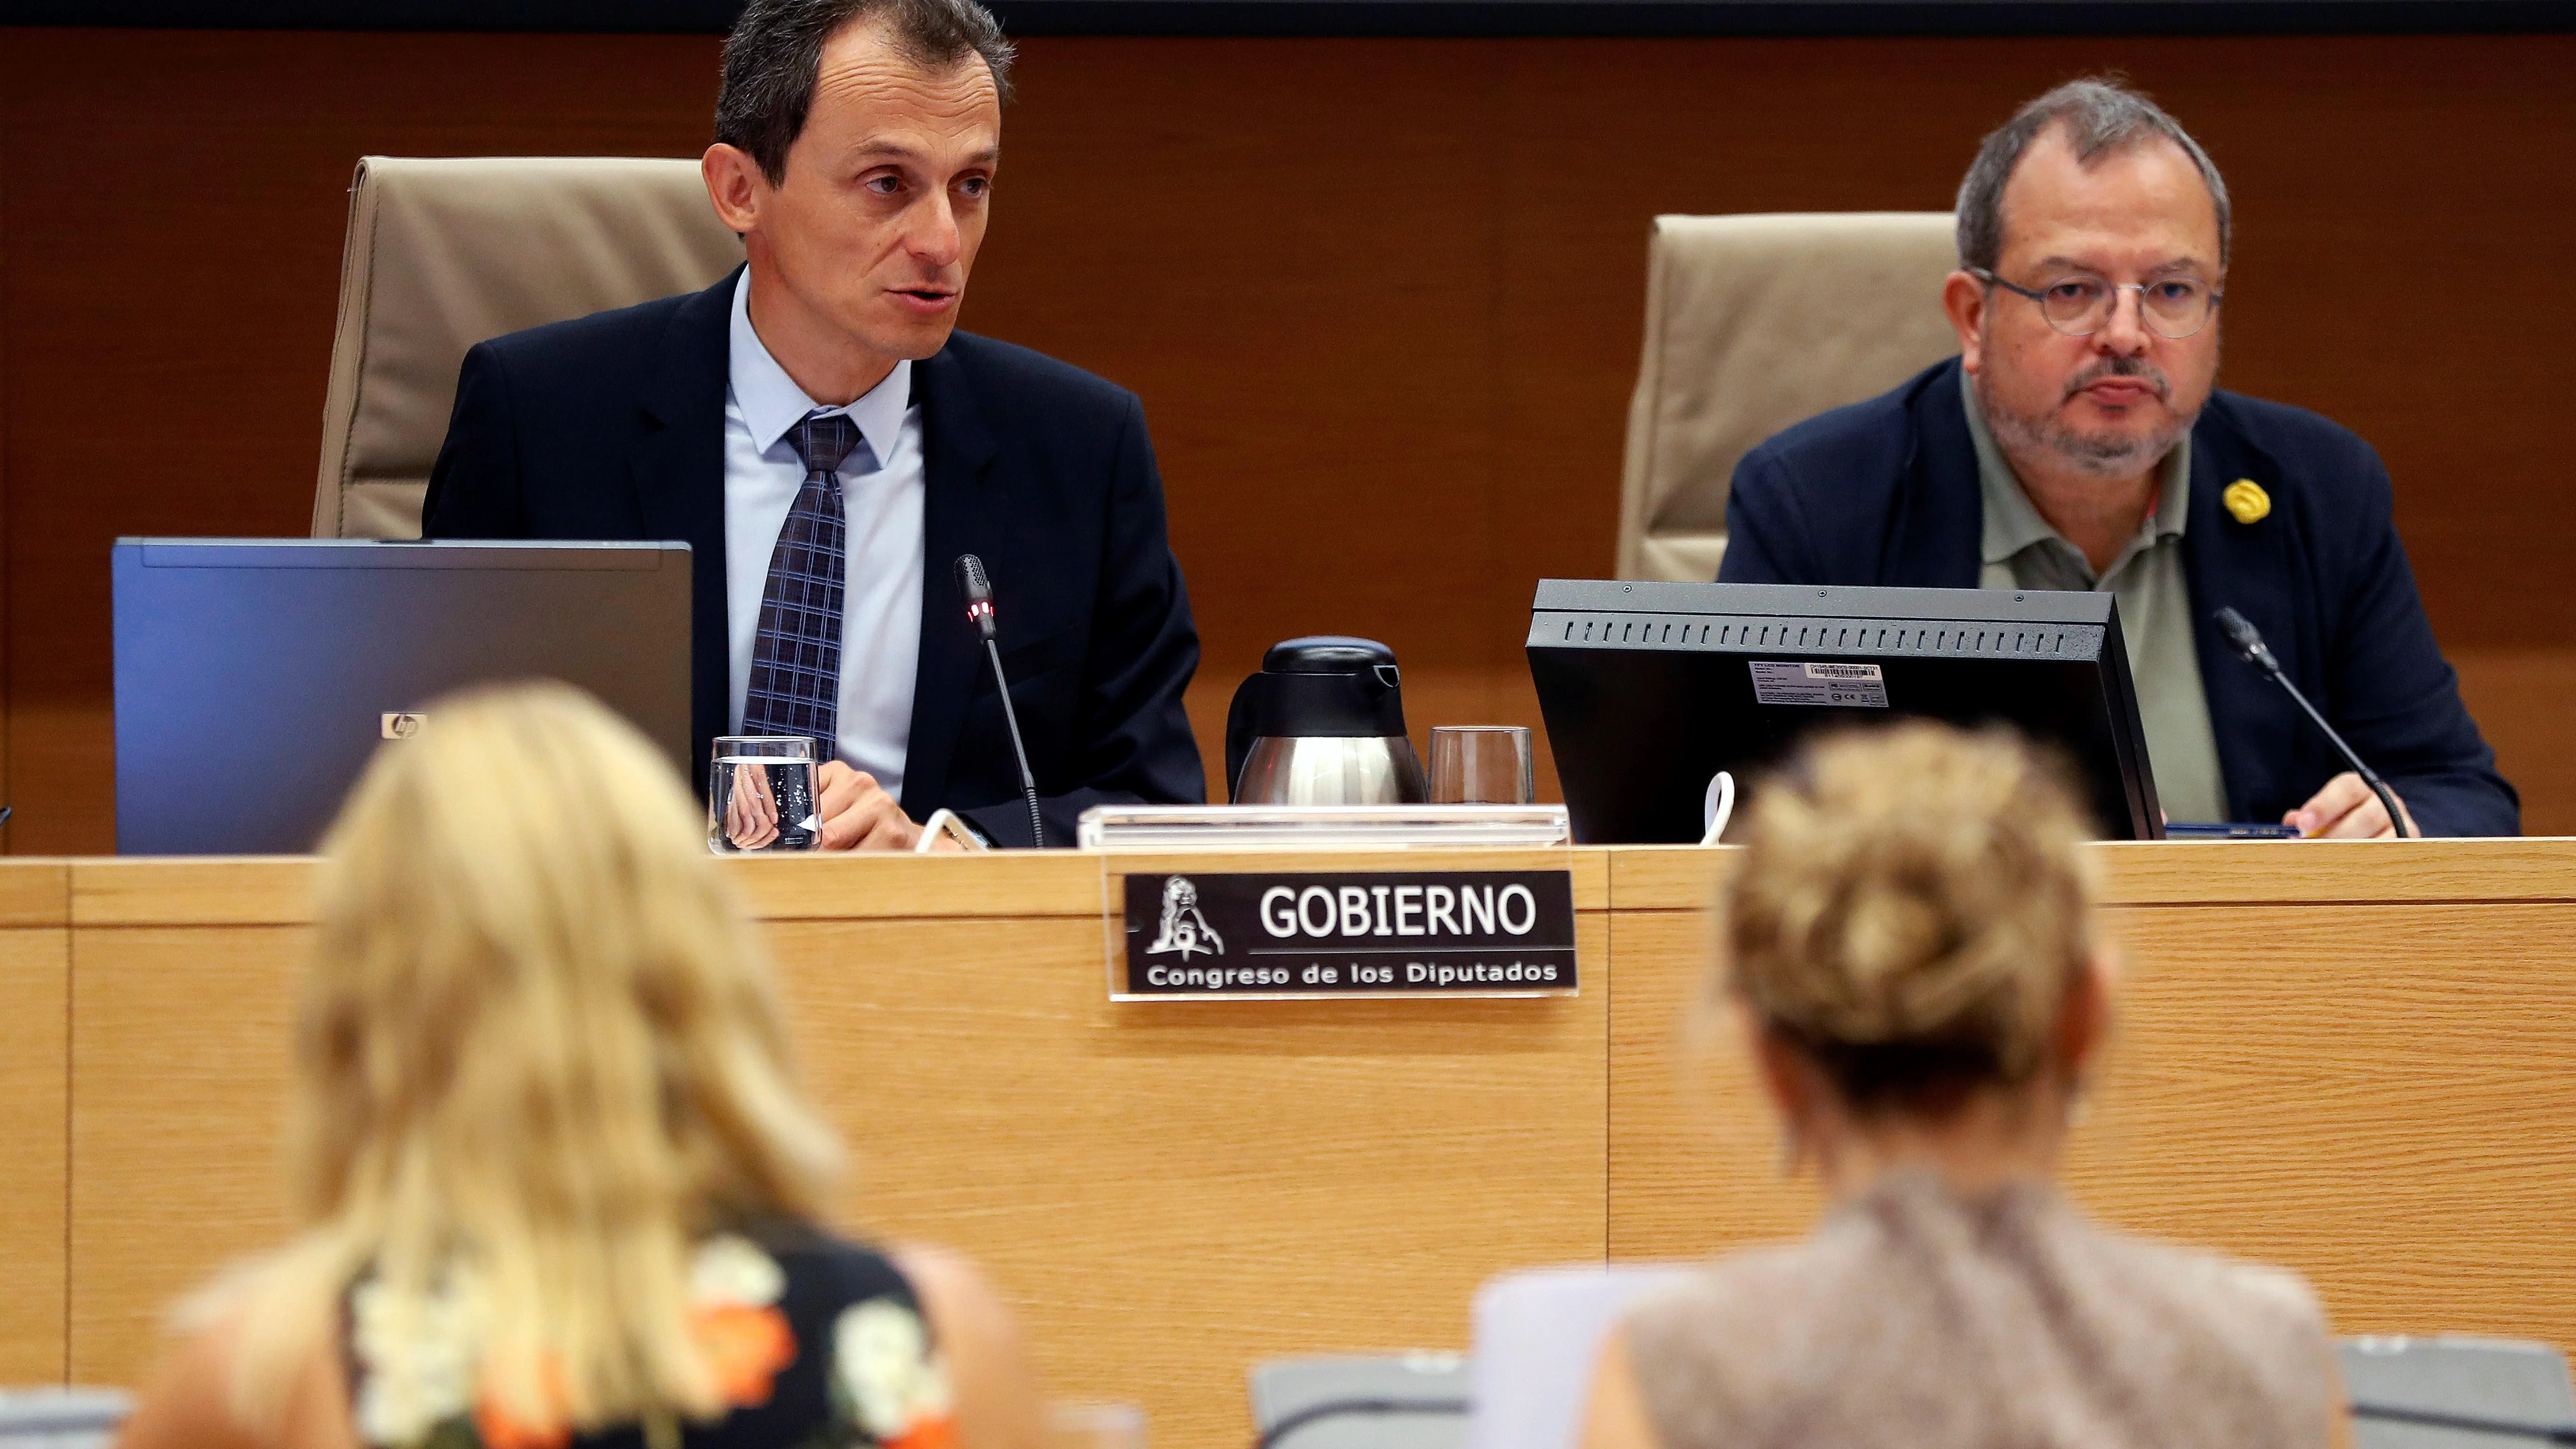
(1335, 903)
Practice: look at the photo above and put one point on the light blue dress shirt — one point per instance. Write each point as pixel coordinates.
(881, 493)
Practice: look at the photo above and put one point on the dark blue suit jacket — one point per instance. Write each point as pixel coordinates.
(1885, 492)
(612, 427)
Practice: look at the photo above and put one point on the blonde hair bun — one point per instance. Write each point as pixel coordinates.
(1910, 909)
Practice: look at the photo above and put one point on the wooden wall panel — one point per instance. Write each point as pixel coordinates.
(2387, 1132)
(2521, 698)
(2375, 1094)
(174, 262)
(180, 1045)
(1172, 1192)
(1169, 1192)
(1696, 1165)
(1382, 298)
(35, 965)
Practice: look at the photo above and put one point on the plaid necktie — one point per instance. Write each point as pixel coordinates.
(796, 657)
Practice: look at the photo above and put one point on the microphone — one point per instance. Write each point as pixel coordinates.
(2240, 631)
(977, 589)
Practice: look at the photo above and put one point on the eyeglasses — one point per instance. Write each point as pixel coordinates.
(2080, 304)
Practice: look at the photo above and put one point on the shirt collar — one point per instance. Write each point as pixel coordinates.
(2012, 524)
(771, 402)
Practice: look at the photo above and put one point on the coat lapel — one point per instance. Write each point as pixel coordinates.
(1935, 540)
(679, 482)
(957, 443)
(2251, 569)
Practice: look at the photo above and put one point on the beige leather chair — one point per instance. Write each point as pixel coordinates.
(1754, 323)
(442, 254)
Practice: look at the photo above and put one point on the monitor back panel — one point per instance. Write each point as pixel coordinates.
(253, 677)
(1649, 689)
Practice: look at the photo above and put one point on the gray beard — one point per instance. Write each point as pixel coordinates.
(2096, 455)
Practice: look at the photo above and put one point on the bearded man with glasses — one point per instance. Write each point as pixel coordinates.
(2079, 442)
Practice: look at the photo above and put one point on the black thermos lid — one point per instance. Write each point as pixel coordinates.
(1323, 686)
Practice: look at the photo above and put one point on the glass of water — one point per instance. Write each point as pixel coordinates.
(1482, 765)
(760, 794)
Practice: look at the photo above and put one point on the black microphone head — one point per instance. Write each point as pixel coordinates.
(978, 591)
(2240, 631)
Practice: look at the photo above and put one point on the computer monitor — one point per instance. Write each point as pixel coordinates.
(1650, 689)
(254, 678)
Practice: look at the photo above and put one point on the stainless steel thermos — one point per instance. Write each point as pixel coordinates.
(1322, 724)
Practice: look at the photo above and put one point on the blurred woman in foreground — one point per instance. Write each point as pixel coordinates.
(1910, 940)
(560, 1184)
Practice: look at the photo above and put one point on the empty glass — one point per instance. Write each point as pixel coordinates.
(760, 794)
(1481, 765)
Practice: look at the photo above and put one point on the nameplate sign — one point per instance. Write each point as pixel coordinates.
(1416, 933)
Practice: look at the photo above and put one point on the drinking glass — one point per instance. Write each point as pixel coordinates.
(1481, 765)
(760, 794)
(1101, 1424)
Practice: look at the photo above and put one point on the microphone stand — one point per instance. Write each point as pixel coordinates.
(2370, 777)
(2240, 631)
(1010, 716)
(976, 587)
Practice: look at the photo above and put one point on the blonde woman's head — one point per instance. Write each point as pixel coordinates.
(539, 1052)
(1911, 914)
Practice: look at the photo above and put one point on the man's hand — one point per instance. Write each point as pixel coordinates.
(857, 813)
(2347, 809)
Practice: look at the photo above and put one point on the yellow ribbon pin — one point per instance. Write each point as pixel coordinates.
(2246, 499)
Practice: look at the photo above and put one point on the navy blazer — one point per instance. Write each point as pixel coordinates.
(1885, 492)
(612, 427)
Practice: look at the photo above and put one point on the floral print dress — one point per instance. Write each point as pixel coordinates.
(814, 1343)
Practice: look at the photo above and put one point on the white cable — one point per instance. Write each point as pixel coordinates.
(1718, 808)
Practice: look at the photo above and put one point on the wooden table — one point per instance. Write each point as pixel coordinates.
(2352, 1059)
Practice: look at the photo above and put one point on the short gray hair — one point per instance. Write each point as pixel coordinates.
(772, 58)
(2101, 116)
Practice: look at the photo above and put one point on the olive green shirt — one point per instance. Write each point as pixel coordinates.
(2023, 552)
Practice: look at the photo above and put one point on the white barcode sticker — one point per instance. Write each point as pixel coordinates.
(1850, 686)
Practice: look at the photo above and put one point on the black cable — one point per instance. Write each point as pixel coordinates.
(1028, 782)
(1336, 1408)
(2467, 1424)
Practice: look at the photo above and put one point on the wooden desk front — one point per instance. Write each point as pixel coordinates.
(2349, 1059)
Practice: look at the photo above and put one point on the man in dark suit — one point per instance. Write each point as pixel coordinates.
(826, 442)
(2078, 442)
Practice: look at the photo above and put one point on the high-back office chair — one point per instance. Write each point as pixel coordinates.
(1754, 323)
(54, 1417)
(442, 254)
(1538, 1335)
(2497, 1380)
(1381, 1401)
